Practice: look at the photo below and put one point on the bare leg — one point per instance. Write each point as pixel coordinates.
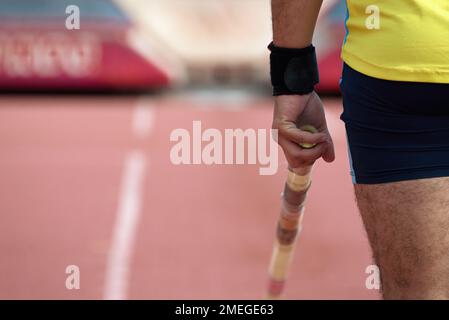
(408, 227)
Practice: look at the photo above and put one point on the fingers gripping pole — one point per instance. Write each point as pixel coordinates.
(288, 228)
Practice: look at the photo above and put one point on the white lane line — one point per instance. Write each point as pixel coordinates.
(128, 213)
(143, 118)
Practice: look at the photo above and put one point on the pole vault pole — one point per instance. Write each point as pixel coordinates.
(289, 224)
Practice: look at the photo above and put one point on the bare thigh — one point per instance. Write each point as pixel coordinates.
(407, 224)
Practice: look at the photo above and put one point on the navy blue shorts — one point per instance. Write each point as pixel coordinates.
(396, 130)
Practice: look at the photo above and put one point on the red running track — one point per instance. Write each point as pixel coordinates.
(82, 182)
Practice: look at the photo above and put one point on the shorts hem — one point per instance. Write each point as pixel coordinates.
(397, 177)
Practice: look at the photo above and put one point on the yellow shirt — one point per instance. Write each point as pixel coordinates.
(405, 40)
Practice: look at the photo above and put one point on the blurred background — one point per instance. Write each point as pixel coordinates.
(91, 207)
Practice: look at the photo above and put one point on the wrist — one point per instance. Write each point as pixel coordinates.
(291, 44)
(293, 71)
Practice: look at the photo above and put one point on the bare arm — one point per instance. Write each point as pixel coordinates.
(294, 22)
(293, 26)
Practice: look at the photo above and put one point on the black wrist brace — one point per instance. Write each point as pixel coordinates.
(293, 71)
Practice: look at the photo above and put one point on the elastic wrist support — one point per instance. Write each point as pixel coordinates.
(293, 71)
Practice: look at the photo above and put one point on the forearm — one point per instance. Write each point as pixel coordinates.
(294, 22)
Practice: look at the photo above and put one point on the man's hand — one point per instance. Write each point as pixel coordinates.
(293, 26)
(290, 113)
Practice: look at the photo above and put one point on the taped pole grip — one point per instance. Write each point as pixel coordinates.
(288, 228)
